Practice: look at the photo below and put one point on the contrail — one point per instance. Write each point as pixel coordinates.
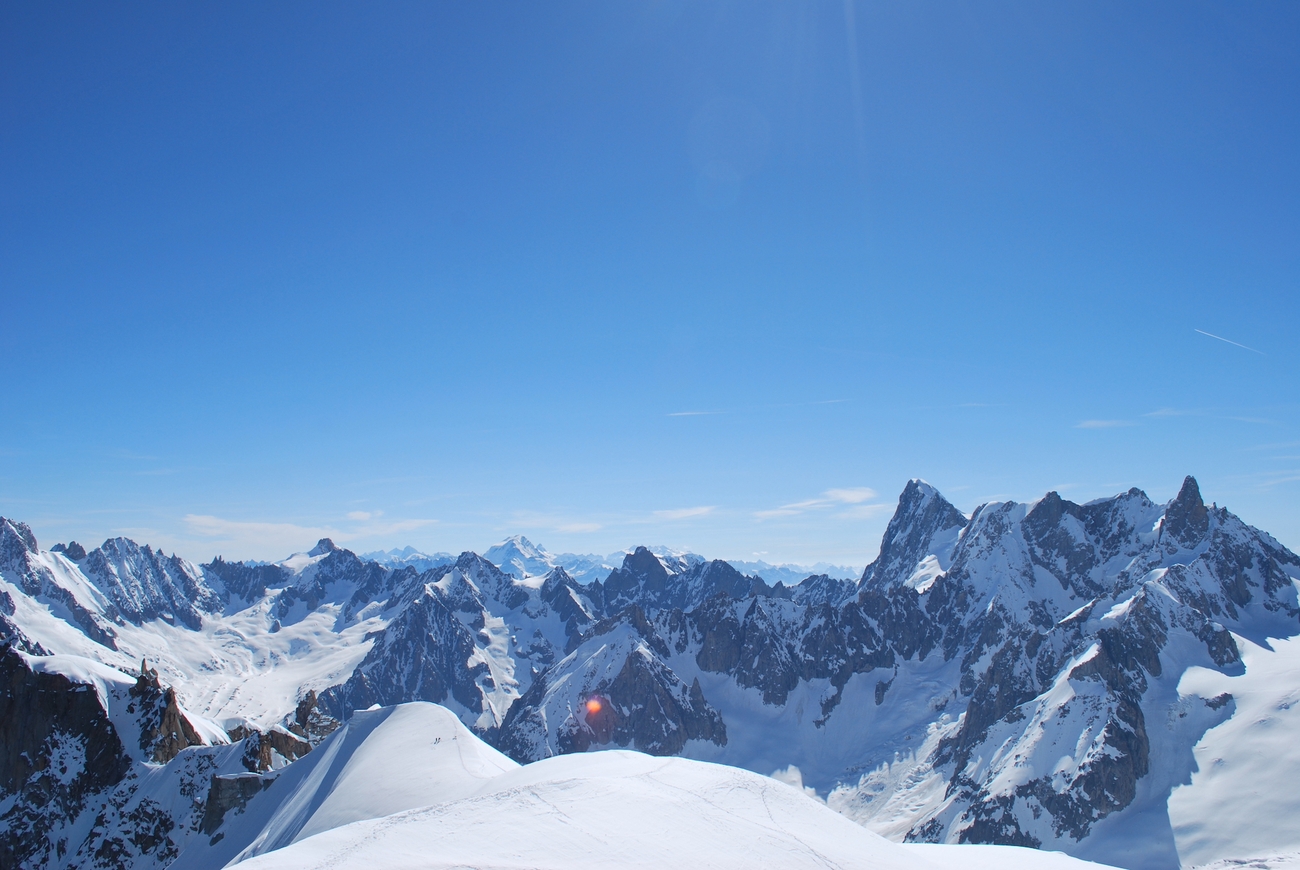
(1229, 341)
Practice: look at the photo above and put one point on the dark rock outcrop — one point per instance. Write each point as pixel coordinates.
(164, 729)
(58, 748)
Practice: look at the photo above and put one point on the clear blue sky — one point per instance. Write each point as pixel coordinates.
(605, 274)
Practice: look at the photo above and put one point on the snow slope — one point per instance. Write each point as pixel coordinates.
(1242, 800)
(626, 809)
(380, 762)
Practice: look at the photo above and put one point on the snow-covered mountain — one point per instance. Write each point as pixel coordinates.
(1099, 679)
(405, 786)
(521, 557)
(790, 574)
(409, 557)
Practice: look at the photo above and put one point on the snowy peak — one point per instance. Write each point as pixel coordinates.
(925, 524)
(409, 557)
(380, 762)
(323, 547)
(145, 585)
(50, 585)
(519, 556)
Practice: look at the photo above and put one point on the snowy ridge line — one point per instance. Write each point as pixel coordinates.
(1056, 675)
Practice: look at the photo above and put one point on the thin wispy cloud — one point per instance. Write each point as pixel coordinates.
(831, 498)
(1277, 445)
(685, 513)
(855, 495)
(1230, 341)
(362, 516)
(269, 539)
(548, 522)
(1102, 424)
(864, 511)
(695, 413)
(579, 528)
(257, 537)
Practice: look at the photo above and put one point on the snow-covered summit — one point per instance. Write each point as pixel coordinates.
(519, 556)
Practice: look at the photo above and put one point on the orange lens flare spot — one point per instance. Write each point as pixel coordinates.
(593, 705)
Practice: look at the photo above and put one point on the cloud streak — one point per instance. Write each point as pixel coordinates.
(286, 538)
(1230, 341)
(829, 499)
(684, 513)
(1102, 424)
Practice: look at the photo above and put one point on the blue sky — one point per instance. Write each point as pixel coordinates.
(721, 276)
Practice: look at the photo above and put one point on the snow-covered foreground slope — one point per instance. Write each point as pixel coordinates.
(605, 809)
(381, 762)
(1243, 800)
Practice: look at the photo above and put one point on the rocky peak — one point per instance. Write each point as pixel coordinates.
(556, 580)
(489, 580)
(642, 578)
(164, 730)
(1187, 520)
(923, 522)
(72, 550)
(323, 547)
(1049, 510)
(16, 539)
(144, 585)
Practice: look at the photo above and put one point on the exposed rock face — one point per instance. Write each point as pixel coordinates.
(427, 653)
(924, 524)
(614, 690)
(82, 787)
(309, 723)
(247, 582)
(230, 792)
(1187, 519)
(269, 750)
(72, 550)
(165, 731)
(145, 585)
(58, 749)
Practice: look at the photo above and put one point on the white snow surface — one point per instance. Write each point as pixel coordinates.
(609, 809)
(380, 762)
(1281, 861)
(997, 857)
(1242, 800)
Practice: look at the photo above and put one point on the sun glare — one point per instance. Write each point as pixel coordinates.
(593, 706)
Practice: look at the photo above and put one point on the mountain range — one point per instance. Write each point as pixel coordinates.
(521, 557)
(1114, 680)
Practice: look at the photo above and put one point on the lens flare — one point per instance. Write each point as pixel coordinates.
(593, 706)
